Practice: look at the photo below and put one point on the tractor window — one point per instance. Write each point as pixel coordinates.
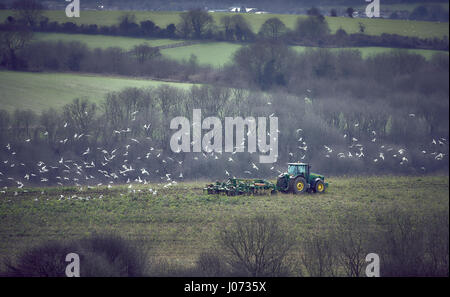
(302, 170)
(297, 169)
(292, 170)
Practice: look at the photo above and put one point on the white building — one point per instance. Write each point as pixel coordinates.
(238, 9)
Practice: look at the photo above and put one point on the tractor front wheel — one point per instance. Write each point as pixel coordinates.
(319, 187)
(299, 185)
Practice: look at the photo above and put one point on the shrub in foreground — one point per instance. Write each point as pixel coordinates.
(100, 256)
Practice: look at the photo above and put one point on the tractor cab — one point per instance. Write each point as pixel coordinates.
(296, 169)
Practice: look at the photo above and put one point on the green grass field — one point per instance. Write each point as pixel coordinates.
(370, 51)
(103, 41)
(40, 91)
(162, 19)
(220, 53)
(180, 221)
(386, 7)
(212, 53)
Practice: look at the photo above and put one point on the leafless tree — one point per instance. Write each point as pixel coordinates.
(273, 29)
(28, 11)
(12, 39)
(144, 52)
(257, 246)
(195, 22)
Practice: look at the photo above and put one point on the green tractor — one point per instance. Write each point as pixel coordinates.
(299, 179)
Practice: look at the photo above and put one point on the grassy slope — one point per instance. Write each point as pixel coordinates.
(220, 53)
(213, 53)
(369, 51)
(39, 91)
(386, 7)
(179, 222)
(103, 41)
(162, 19)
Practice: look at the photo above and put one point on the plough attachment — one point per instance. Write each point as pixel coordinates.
(239, 186)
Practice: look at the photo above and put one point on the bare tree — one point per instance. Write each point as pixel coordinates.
(314, 11)
(242, 29)
(319, 255)
(169, 99)
(313, 28)
(333, 12)
(273, 29)
(350, 12)
(81, 114)
(236, 28)
(127, 24)
(264, 63)
(196, 22)
(227, 24)
(49, 120)
(144, 52)
(257, 247)
(12, 39)
(23, 121)
(28, 11)
(351, 235)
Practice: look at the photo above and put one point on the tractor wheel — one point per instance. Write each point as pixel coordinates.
(282, 184)
(299, 185)
(319, 187)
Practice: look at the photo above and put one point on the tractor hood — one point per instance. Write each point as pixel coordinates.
(316, 175)
(312, 175)
(285, 174)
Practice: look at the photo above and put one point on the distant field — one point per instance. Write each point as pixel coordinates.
(103, 41)
(370, 51)
(212, 53)
(40, 91)
(385, 7)
(162, 19)
(220, 53)
(180, 222)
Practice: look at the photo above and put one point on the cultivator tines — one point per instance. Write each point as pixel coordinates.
(238, 186)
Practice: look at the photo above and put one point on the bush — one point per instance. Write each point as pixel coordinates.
(352, 239)
(100, 255)
(313, 30)
(413, 244)
(125, 258)
(211, 264)
(319, 254)
(47, 260)
(257, 247)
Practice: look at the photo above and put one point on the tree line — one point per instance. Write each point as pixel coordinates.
(423, 11)
(338, 135)
(198, 24)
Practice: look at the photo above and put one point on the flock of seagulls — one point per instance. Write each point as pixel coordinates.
(116, 167)
(356, 151)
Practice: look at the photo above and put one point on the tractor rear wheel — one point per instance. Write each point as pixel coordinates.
(319, 187)
(299, 185)
(283, 184)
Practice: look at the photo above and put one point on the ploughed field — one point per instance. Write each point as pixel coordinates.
(177, 221)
